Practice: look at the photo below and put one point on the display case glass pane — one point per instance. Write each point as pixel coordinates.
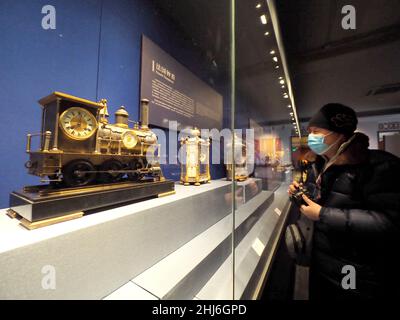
(265, 124)
(156, 161)
(126, 163)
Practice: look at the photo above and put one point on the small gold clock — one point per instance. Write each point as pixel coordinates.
(78, 123)
(195, 166)
(129, 140)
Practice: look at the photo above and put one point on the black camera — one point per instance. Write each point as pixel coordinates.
(297, 196)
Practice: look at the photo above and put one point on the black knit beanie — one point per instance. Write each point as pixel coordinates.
(335, 117)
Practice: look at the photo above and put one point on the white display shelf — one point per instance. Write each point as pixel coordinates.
(202, 268)
(130, 291)
(183, 273)
(95, 255)
(253, 255)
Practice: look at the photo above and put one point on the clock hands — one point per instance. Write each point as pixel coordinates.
(78, 125)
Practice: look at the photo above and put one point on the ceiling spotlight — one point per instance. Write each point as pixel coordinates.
(286, 96)
(289, 106)
(282, 81)
(283, 87)
(291, 113)
(258, 6)
(280, 78)
(276, 67)
(266, 33)
(263, 19)
(275, 59)
(272, 52)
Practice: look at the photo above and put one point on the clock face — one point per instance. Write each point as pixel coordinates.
(78, 123)
(129, 140)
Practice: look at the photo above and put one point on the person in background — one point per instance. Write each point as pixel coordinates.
(356, 209)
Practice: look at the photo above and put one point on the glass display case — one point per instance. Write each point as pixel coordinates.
(110, 219)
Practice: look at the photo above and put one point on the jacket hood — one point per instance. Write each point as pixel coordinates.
(356, 152)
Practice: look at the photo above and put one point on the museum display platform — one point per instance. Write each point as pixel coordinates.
(38, 203)
(176, 247)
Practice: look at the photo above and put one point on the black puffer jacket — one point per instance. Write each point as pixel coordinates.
(359, 224)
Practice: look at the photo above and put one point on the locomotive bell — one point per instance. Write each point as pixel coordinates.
(121, 117)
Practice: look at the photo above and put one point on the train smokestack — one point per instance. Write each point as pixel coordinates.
(144, 113)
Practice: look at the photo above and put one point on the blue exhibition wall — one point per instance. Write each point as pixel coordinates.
(93, 53)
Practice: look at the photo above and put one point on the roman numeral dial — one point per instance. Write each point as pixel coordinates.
(78, 123)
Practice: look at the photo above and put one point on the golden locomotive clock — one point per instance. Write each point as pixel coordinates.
(88, 162)
(80, 147)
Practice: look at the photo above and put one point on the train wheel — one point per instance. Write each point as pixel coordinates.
(76, 173)
(136, 164)
(110, 165)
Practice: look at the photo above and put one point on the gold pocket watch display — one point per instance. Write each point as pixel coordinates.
(195, 166)
(78, 123)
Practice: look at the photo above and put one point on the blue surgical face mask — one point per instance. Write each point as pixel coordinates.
(316, 142)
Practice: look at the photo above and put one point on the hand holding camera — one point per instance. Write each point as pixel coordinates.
(293, 187)
(303, 198)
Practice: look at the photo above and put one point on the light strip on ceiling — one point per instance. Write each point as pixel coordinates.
(281, 48)
(263, 19)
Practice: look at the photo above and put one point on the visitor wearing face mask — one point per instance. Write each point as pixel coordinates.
(356, 209)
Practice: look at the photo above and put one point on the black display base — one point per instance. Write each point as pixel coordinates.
(38, 203)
